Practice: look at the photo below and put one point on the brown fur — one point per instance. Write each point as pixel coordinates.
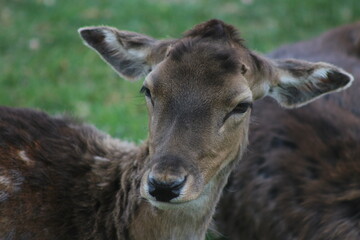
(65, 180)
(300, 178)
(68, 190)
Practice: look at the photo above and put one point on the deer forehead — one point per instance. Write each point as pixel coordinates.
(200, 71)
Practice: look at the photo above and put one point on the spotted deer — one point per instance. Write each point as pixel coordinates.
(300, 178)
(61, 179)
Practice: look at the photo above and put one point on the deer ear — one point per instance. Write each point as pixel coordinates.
(126, 52)
(297, 83)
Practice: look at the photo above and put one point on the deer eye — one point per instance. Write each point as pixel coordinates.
(239, 109)
(144, 90)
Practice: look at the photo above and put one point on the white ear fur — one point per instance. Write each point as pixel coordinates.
(125, 52)
(113, 43)
(301, 82)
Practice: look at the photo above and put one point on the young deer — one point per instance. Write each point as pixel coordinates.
(301, 176)
(66, 180)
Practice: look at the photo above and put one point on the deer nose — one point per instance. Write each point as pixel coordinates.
(164, 191)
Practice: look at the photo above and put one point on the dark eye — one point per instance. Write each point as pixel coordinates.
(239, 109)
(144, 90)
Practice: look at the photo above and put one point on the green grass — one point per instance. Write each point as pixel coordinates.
(44, 65)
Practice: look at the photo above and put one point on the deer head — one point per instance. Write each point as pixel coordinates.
(199, 91)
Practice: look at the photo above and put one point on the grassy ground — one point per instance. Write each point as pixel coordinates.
(44, 65)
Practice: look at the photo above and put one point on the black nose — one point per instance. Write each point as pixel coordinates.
(164, 191)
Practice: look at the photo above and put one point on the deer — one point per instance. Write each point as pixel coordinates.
(63, 179)
(300, 178)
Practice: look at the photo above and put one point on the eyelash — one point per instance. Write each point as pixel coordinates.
(144, 90)
(239, 109)
(242, 107)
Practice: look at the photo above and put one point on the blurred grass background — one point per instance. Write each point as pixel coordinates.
(44, 65)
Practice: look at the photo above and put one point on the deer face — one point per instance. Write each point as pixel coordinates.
(199, 91)
(199, 107)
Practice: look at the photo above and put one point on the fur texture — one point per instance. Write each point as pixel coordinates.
(60, 179)
(301, 176)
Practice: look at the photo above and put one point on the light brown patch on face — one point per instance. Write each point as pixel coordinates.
(226, 148)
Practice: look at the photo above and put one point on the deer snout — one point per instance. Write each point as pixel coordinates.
(171, 179)
(165, 189)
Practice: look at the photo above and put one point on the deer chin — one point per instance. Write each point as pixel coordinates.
(194, 204)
